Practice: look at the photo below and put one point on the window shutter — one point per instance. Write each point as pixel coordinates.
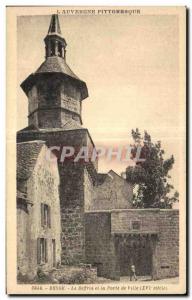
(46, 257)
(42, 214)
(38, 251)
(49, 216)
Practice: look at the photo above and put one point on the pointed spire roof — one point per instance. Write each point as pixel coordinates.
(54, 27)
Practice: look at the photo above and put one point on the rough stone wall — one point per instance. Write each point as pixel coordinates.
(44, 103)
(33, 119)
(52, 118)
(69, 89)
(42, 187)
(66, 116)
(75, 194)
(72, 212)
(167, 249)
(49, 118)
(114, 193)
(52, 102)
(164, 223)
(161, 227)
(122, 220)
(88, 190)
(70, 97)
(100, 247)
(72, 236)
(49, 92)
(22, 236)
(33, 99)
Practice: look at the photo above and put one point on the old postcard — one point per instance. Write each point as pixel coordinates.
(96, 150)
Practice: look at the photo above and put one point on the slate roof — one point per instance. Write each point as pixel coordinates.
(27, 154)
(56, 64)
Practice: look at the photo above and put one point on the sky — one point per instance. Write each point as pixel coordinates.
(131, 67)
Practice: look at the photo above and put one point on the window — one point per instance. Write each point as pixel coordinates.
(136, 225)
(53, 252)
(60, 49)
(52, 48)
(45, 215)
(41, 251)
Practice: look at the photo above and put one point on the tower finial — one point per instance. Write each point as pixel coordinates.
(55, 44)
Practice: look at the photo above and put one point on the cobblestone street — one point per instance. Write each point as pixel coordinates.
(124, 279)
(148, 278)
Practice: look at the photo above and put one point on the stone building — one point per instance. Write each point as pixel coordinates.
(38, 209)
(147, 238)
(98, 224)
(110, 191)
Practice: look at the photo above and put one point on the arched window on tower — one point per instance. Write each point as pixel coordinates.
(60, 49)
(46, 51)
(52, 48)
(63, 52)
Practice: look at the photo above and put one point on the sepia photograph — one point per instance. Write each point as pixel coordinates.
(97, 138)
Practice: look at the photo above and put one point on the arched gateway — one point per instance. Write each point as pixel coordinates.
(138, 250)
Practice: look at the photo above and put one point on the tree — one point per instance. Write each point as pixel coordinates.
(151, 175)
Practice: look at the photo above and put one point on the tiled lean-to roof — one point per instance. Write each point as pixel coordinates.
(27, 154)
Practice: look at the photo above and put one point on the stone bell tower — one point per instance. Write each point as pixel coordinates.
(55, 97)
(54, 91)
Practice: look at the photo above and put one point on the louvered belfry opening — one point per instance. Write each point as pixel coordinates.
(55, 44)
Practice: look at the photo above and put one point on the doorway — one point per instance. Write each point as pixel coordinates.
(135, 251)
